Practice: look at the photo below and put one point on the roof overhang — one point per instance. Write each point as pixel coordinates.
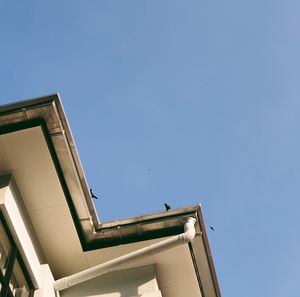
(43, 122)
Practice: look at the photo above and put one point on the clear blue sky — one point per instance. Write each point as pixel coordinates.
(206, 94)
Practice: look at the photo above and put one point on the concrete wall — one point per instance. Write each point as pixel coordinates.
(133, 282)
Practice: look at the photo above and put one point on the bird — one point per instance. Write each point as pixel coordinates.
(92, 194)
(149, 169)
(167, 206)
(211, 227)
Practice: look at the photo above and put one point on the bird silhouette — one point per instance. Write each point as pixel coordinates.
(212, 228)
(92, 194)
(167, 206)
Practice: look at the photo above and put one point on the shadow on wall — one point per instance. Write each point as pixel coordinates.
(122, 283)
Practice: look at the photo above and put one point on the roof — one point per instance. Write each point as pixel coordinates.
(37, 147)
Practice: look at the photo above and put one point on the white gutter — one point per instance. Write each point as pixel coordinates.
(77, 278)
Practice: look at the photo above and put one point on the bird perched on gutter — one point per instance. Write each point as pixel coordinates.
(167, 206)
(92, 194)
(211, 227)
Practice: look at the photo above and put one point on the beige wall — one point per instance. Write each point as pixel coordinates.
(133, 282)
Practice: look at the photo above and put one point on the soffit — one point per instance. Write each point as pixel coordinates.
(174, 267)
(25, 155)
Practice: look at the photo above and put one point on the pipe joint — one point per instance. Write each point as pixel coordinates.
(189, 228)
(61, 284)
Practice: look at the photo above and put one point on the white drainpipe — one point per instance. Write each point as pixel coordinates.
(77, 278)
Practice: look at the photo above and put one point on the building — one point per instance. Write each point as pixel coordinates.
(51, 241)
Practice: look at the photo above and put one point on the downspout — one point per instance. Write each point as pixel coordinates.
(77, 278)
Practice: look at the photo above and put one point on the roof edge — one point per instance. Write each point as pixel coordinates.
(28, 103)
